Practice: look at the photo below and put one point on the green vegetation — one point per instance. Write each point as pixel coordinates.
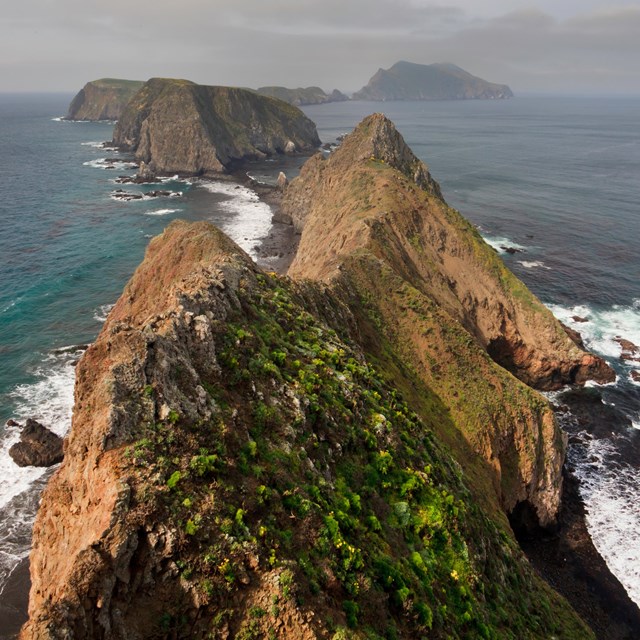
(314, 468)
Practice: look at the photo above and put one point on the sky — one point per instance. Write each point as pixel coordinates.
(559, 46)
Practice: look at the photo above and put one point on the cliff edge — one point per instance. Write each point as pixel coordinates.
(329, 454)
(432, 293)
(177, 126)
(103, 99)
(374, 193)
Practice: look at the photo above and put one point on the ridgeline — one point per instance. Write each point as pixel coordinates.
(331, 454)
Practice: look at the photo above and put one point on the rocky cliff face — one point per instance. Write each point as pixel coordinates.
(238, 468)
(374, 193)
(374, 225)
(103, 99)
(176, 126)
(410, 81)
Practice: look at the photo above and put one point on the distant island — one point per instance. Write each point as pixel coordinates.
(102, 99)
(303, 96)
(441, 81)
(106, 99)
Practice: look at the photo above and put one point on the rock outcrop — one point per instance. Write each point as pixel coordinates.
(410, 81)
(103, 99)
(237, 467)
(38, 446)
(302, 96)
(374, 225)
(373, 192)
(176, 126)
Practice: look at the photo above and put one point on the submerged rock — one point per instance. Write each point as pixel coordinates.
(38, 446)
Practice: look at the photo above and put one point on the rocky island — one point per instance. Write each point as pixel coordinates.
(303, 96)
(102, 99)
(440, 81)
(332, 454)
(177, 126)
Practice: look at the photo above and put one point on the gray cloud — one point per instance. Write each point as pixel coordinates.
(60, 44)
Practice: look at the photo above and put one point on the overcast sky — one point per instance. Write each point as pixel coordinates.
(532, 45)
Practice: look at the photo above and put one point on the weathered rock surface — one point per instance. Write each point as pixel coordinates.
(302, 96)
(102, 99)
(410, 81)
(373, 221)
(38, 446)
(373, 192)
(237, 468)
(176, 126)
(630, 351)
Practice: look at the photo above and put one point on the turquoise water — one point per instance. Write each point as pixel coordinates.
(556, 177)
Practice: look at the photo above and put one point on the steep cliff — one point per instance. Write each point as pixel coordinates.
(103, 99)
(374, 193)
(176, 126)
(302, 96)
(410, 81)
(238, 468)
(374, 226)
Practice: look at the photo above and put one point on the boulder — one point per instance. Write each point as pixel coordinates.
(630, 351)
(38, 446)
(282, 181)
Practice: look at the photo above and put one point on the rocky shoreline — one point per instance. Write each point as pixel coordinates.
(571, 564)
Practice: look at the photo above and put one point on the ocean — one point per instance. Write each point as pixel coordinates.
(555, 178)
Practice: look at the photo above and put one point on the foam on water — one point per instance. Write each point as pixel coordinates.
(534, 264)
(103, 163)
(603, 326)
(175, 178)
(250, 221)
(104, 146)
(610, 490)
(101, 313)
(130, 196)
(498, 242)
(161, 212)
(48, 400)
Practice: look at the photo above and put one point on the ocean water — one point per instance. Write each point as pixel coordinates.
(555, 178)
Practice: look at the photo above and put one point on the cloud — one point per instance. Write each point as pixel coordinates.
(60, 44)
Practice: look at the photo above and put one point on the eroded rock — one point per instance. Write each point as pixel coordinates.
(38, 446)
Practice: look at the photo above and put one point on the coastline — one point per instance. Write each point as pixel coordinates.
(569, 561)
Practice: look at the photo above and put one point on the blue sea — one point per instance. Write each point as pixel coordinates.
(556, 178)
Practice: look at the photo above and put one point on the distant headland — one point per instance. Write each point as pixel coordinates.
(443, 81)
